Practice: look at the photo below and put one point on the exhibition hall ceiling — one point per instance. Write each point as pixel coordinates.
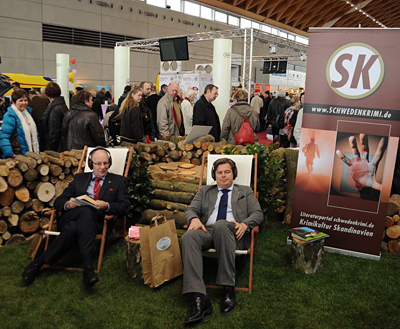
(299, 15)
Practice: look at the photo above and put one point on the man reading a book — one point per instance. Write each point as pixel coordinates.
(221, 217)
(79, 224)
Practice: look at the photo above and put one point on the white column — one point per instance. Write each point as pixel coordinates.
(222, 75)
(121, 70)
(62, 62)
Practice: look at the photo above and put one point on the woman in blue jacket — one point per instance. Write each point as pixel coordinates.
(18, 133)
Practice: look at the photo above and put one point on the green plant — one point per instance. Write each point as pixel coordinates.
(270, 169)
(139, 187)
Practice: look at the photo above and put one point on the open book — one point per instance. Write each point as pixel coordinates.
(85, 200)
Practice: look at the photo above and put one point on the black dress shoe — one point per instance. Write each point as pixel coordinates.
(30, 273)
(229, 303)
(89, 277)
(201, 306)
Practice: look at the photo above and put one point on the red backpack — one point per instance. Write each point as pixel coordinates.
(245, 134)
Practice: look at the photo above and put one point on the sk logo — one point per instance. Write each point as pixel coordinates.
(355, 70)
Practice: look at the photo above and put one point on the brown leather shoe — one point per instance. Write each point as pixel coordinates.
(229, 303)
(201, 306)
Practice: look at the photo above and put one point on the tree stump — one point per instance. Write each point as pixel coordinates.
(134, 259)
(308, 257)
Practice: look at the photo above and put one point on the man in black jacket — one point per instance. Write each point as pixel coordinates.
(204, 113)
(145, 111)
(276, 107)
(80, 224)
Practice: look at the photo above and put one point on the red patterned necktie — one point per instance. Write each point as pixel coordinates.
(97, 187)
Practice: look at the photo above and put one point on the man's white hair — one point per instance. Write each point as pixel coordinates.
(189, 93)
(281, 93)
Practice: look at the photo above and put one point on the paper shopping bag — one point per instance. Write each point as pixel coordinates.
(161, 255)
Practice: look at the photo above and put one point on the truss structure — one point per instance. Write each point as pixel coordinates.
(249, 36)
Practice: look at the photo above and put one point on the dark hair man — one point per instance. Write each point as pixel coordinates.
(221, 216)
(204, 113)
(80, 224)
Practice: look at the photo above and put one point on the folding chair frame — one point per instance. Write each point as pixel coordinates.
(254, 232)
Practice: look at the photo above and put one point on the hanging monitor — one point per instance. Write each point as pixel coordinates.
(282, 66)
(174, 49)
(266, 67)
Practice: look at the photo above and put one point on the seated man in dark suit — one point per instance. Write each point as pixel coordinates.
(219, 216)
(80, 224)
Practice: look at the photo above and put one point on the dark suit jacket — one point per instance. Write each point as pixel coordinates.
(204, 114)
(245, 206)
(114, 191)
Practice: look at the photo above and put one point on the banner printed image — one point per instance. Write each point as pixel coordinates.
(358, 165)
(315, 160)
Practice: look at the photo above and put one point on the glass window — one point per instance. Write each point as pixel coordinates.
(192, 8)
(220, 17)
(206, 13)
(274, 31)
(175, 4)
(232, 20)
(255, 25)
(291, 37)
(266, 28)
(244, 23)
(157, 3)
(283, 34)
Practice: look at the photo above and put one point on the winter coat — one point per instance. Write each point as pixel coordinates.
(204, 114)
(81, 127)
(11, 129)
(233, 121)
(165, 116)
(131, 124)
(51, 124)
(276, 106)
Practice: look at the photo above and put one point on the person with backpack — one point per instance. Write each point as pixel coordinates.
(241, 122)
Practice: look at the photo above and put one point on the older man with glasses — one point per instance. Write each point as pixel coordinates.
(79, 224)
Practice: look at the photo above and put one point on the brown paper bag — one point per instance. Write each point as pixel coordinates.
(161, 255)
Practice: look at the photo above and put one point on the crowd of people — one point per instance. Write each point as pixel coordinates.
(220, 215)
(36, 121)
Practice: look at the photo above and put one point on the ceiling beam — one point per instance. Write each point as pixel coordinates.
(248, 14)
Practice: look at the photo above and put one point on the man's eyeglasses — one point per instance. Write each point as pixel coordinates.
(105, 164)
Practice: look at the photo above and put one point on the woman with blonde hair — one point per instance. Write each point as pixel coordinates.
(131, 120)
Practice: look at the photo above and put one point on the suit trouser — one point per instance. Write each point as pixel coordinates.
(77, 226)
(221, 235)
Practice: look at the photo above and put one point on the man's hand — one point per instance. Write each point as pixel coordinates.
(71, 204)
(102, 205)
(195, 224)
(240, 228)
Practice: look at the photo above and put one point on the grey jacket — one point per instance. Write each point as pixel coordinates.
(165, 116)
(245, 206)
(233, 121)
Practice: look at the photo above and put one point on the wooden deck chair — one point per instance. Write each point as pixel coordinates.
(121, 160)
(244, 164)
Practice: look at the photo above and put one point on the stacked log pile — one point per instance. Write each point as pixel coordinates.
(175, 186)
(29, 184)
(175, 150)
(391, 237)
(280, 189)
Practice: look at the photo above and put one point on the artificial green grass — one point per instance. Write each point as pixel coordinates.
(346, 292)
